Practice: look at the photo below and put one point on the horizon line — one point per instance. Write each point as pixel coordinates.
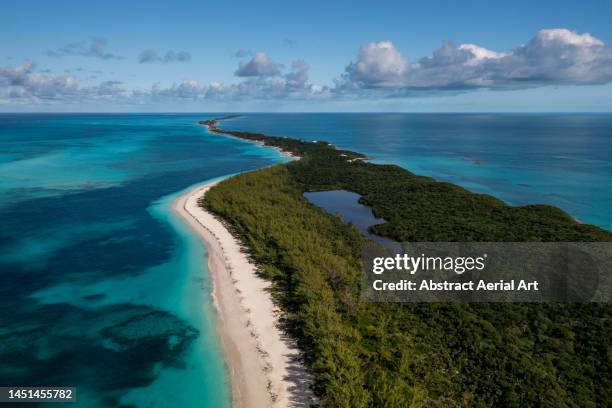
(309, 112)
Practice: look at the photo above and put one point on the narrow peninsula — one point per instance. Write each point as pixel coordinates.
(364, 354)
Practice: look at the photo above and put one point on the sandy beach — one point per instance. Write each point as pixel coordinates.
(265, 365)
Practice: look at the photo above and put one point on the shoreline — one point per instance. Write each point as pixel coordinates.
(265, 365)
(290, 147)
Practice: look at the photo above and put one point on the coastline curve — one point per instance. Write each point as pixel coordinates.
(265, 365)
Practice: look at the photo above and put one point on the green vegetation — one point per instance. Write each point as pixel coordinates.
(411, 355)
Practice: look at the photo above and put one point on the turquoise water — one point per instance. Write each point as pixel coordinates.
(563, 160)
(103, 286)
(105, 289)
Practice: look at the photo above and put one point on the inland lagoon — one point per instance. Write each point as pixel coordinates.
(346, 205)
(557, 159)
(106, 289)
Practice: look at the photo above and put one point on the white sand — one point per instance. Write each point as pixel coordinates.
(265, 364)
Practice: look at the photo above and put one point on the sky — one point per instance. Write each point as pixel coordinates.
(405, 56)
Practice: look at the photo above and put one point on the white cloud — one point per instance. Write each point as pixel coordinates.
(479, 54)
(149, 55)
(259, 66)
(565, 36)
(298, 76)
(23, 84)
(292, 84)
(95, 47)
(180, 56)
(559, 56)
(552, 57)
(378, 65)
(106, 88)
(188, 89)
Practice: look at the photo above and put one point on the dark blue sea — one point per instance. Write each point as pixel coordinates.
(104, 288)
(563, 160)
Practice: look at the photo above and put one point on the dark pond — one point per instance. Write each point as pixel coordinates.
(346, 205)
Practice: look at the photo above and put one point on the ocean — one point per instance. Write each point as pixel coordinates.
(559, 159)
(105, 289)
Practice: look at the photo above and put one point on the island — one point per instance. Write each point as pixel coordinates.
(366, 354)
